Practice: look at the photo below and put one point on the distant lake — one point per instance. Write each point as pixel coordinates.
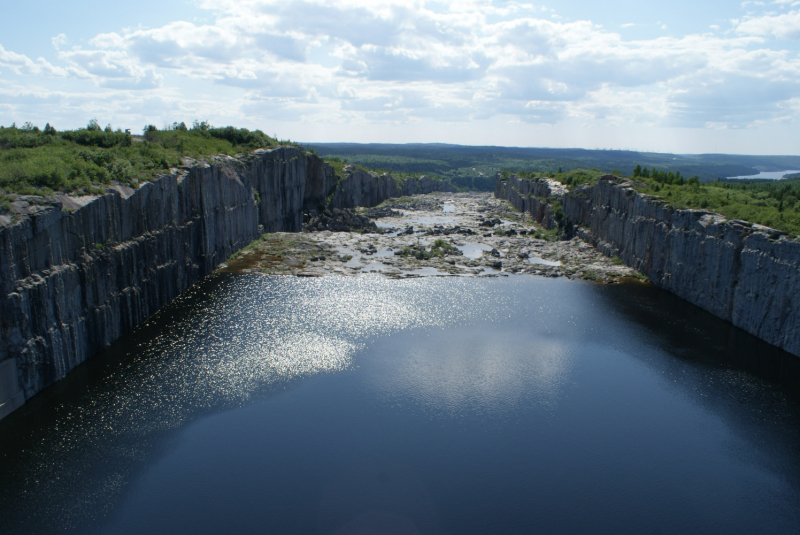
(769, 175)
(434, 406)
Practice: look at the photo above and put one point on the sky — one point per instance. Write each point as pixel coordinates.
(682, 76)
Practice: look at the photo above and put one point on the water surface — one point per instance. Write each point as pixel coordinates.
(264, 404)
(769, 175)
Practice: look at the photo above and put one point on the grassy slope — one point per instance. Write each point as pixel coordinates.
(772, 204)
(33, 162)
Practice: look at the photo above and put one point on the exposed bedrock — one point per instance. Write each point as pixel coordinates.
(746, 274)
(72, 282)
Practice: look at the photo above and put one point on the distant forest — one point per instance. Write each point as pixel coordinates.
(475, 167)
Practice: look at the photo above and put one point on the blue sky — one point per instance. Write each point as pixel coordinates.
(689, 77)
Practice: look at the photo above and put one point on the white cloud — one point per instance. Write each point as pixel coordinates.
(23, 65)
(110, 68)
(784, 26)
(392, 61)
(59, 40)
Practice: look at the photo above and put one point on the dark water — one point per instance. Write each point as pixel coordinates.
(450, 406)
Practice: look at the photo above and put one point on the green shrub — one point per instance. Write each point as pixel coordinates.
(441, 244)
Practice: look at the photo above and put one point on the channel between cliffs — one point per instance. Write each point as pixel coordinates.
(746, 274)
(78, 274)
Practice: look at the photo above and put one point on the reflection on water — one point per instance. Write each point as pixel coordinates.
(476, 371)
(438, 405)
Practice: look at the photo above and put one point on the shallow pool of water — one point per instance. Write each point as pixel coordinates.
(542, 261)
(473, 251)
(259, 404)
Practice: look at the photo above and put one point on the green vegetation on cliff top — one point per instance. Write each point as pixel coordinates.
(775, 204)
(41, 162)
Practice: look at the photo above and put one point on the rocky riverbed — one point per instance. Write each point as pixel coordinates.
(439, 234)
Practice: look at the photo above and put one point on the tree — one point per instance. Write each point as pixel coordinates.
(93, 126)
(637, 171)
(49, 130)
(203, 126)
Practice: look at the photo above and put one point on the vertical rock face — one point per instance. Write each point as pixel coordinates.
(528, 196)
(73, 282)
(364, 189)
(746, 274)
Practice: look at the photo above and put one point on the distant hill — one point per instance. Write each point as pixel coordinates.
(475, 167)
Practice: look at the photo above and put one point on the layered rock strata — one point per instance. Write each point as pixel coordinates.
(76, 274)
(746, 274)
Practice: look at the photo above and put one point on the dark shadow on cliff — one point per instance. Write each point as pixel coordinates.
(690, 330)
(753, 386)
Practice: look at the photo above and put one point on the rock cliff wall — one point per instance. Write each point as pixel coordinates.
(72, 282)
(364, 189)
(528, 196)
(746, 274)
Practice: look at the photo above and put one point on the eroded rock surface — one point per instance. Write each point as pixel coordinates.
(440, 234)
